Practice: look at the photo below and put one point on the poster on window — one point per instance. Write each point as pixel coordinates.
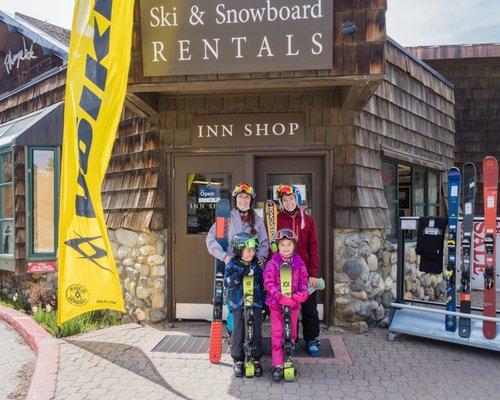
(208, 194)
(479, 256)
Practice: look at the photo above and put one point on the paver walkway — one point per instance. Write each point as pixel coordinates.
(117, 363)
(16, 364)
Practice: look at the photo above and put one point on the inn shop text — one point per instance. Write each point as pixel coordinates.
(257, 129)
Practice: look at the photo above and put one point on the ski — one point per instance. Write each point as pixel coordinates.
(222, 216)
(469, 195)
(271, 211)
(449, 273)
(286, 290)
(248, 345)
(490, 182)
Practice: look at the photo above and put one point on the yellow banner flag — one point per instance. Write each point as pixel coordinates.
(99, 59)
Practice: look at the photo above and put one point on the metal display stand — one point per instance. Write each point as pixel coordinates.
(427, 318)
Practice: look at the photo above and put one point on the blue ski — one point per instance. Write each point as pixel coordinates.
(449, 272)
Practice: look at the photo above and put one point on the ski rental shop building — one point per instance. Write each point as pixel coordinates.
(304, 92)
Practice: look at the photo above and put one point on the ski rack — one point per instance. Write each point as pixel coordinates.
(424, 321)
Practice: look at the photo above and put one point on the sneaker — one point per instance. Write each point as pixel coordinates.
(257, 368)
(277, 373)
(239, 369)
(312, 348)
(318, 341)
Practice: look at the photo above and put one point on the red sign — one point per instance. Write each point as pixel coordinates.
(42, 266)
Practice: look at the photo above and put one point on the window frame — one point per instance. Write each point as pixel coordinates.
(427, 203)
(30, 253)
(4, 151)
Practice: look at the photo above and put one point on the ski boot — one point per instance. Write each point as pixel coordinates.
(258, 368)
(277, 373)
(312, 348)
(238, 368)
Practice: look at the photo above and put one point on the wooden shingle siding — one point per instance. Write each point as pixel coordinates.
(411, 113)
(131, 187)
(475, 72)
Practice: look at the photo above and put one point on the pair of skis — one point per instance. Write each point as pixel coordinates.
(490, 188)
(289, 371)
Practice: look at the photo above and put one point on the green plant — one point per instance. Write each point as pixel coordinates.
(89, 321)
(15, 301)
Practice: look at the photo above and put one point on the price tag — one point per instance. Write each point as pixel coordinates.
(491, 201)
(468, 208)
(454, 191)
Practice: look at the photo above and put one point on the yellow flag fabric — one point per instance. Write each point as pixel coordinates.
(99, 59)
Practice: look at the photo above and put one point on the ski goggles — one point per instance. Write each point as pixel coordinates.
(243, 188)
(252, 243)
(286, 234)
(284, 189)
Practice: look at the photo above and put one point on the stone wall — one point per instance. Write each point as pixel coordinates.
(366, 272)
(141, 262)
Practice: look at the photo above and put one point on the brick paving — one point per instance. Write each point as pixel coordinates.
(117, 363)
(16, 364)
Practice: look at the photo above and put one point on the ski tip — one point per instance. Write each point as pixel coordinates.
(215, 347)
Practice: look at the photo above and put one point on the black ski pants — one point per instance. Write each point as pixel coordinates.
(238, 336)
(310, 318)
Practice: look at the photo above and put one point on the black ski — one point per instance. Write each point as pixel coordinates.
(469, 194)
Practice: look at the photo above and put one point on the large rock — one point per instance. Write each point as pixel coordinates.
(140, 314)
(365, 250)
(411, 255)
(375, 243)
(128, 262)
(350, 253)
(359, 295)
(342, 300)
(372, 262)
(341, 289)
(394, 273)
(123, 251)
(387, 299)
(340, 277)
(140, 303)
(160, 247)
(158, 300)
(366, 270)
(352, 240)
(157, 270)
(132, 287)
(133, 274)
(142, 239)
(147, 250)
(144, 269)
(353, 269)
(157, 315)
(126, 237)
(349, 312)
(156, 259)
(159, 285)
(143, 292)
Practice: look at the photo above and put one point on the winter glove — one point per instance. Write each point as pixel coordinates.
(288, 302)
(299, 297)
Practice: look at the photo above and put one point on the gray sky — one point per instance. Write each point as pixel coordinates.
(410, 22)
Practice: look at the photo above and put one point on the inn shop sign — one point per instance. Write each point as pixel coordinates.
(183, 37)
(248, 130)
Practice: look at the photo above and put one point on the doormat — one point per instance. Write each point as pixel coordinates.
(187, 344)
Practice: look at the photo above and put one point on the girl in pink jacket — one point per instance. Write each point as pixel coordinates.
(287, 242)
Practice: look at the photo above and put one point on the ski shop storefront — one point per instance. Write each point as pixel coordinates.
(315, 95)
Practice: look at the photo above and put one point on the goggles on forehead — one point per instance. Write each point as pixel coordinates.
(252, 243)
(243, 188)
(286, 234)
(285, 189)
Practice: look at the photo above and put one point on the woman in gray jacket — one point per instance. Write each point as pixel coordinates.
(243, 219)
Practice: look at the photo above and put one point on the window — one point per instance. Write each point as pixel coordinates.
(6, 203)
(409, 191)
(43, 179)
(203, 193)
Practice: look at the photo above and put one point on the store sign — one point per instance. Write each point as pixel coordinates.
(12, 60)
(208, 194)
(182, 37)
(42, 266)
(243, 130)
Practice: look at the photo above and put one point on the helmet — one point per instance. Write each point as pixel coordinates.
(289, 189)
(286, 233)
(242, 240)
(243, 188)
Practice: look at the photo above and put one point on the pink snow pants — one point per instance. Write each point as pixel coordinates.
(277, 334)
